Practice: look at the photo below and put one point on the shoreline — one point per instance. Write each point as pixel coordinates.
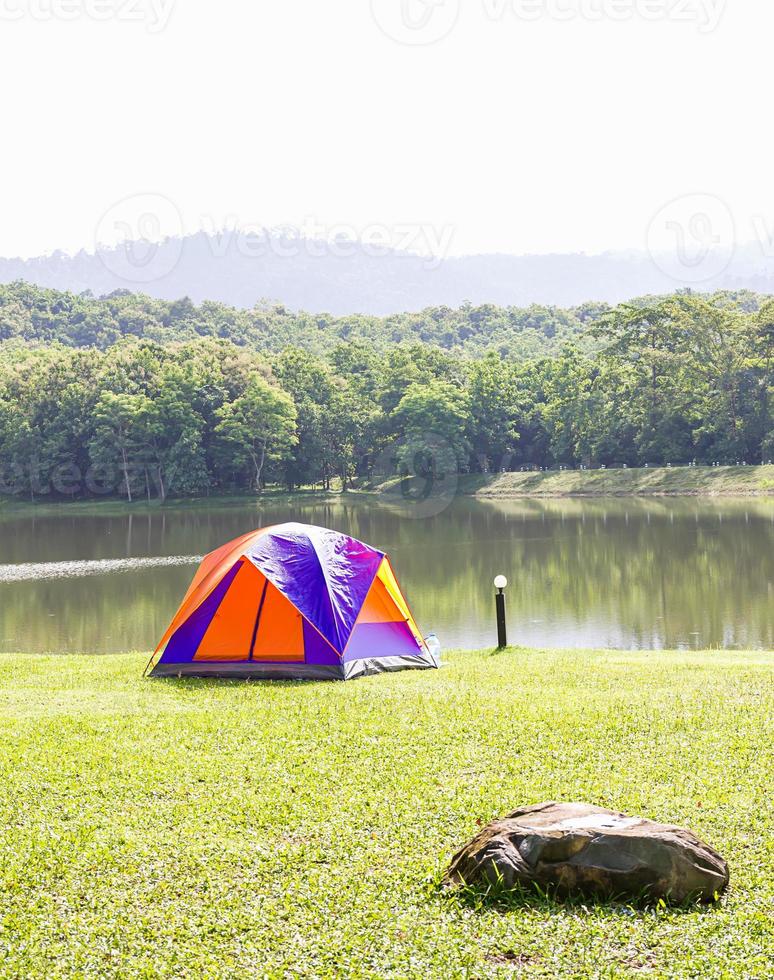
(654, 482)
(663, 481)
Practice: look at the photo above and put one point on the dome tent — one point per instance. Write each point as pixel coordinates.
(292, 601)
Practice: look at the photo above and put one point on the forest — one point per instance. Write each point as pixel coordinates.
(141, 397)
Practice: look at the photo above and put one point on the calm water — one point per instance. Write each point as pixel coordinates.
(614, 573)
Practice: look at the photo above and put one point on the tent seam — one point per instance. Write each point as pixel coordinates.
(300, 613)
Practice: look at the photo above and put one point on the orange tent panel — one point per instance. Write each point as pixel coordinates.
(379, 606)
(386, 576)
(230, 633)
(280, 634)
(207, 577)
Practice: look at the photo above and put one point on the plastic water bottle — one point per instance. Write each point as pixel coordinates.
(434, 646)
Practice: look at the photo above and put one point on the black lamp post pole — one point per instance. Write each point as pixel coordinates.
(502, 638)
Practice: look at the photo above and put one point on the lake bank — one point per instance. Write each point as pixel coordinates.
(699, 481)
(120, 506)
(661, 481)
(202, 827)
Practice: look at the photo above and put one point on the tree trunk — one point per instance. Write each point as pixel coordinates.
(732, 394)
(126, 474)
(258, 462)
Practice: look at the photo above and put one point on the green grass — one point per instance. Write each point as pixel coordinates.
(223, 829)
(653, 481)
(678, 481)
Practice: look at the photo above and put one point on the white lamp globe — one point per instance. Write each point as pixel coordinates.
(501, 582)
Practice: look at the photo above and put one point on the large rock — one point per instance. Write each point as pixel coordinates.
(574, 847)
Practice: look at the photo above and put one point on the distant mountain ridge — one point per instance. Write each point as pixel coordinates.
(350, 278)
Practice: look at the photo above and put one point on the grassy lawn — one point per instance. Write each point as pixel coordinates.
(668, 481)
(221, 829)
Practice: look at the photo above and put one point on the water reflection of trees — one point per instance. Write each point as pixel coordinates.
(661, 569)
(94, 615)
(643, 572)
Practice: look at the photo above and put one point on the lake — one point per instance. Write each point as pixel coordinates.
(623, 573)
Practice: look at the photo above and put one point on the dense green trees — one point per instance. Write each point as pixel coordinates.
(258, 425)
(432, 421)
(496, 412)
(140, 398)
(40, 315)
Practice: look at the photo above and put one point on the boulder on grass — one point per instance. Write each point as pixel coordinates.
(571, 848)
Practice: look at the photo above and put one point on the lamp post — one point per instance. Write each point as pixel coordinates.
(501, 583)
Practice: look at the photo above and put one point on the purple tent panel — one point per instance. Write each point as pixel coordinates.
(325, 574)
(373, 640)
(317, 651)
(185, 641)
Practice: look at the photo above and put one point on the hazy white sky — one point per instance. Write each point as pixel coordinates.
(524, 126)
